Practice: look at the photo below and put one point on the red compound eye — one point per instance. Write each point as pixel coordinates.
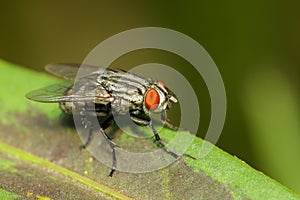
(162, 84)
(152, 99)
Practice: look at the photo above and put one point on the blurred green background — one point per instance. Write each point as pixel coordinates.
(255, 44)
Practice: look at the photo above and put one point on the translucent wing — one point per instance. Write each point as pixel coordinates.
(69, 71)
(52, 93)
(62, 92)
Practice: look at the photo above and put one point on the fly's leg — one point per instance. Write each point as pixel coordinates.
(113, 147)
(166, 122)
(158, 140)
(88, 141)
(109, 121)
(156, 136)
(87, 124)
(114, 164)
(170, 125)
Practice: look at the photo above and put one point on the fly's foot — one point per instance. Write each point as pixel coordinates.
(111, 172)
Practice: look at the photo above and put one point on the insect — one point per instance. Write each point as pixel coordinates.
(112, 93)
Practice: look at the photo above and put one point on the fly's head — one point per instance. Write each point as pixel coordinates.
(157, 98)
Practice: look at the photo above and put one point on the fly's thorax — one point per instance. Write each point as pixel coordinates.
(74, 106)
(125, 88)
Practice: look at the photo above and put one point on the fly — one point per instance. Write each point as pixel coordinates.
(112, 92)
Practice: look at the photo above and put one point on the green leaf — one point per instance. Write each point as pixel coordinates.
(7, 195)
(40, 157)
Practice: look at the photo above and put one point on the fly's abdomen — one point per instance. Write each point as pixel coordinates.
(66, 107)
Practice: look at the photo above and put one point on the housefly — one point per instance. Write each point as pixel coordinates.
(112, 93)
